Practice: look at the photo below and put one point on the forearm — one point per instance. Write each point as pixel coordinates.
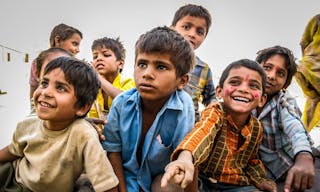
(116, 162)
(6, 156)
(109, 89)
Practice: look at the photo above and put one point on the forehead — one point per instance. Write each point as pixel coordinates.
(245, 73)
(101, 48)
(197, 21)
(277, 60)
(155, 57)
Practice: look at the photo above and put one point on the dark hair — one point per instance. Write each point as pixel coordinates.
(247, 63)
(194, 11)
(64, 32)
(291, 66)
(164, 40)
(79, 74)
(113, 44)
(44, 54)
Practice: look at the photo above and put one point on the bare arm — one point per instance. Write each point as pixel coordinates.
(108, 88)
(116, 162)
(6, 156)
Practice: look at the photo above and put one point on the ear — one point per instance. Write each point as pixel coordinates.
(121, 64)
(183, 80)
(57, 41)
(219, 92)
(83, 110)
(262, 101)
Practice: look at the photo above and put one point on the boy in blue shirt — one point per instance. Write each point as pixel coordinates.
(146, 124)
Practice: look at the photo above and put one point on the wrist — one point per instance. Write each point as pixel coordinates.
(305, 155)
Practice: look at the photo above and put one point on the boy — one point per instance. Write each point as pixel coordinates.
(286, 147)
(50, 151)
(147, 123)
(108, 60)
(193, 23)
(225, 142)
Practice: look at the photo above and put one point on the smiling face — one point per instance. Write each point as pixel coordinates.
(193, 29)
(55, 100)
(105, 62)
(242, 91)
(275, 69)
(155, 77)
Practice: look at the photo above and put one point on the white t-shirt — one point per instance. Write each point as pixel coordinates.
(53, 160)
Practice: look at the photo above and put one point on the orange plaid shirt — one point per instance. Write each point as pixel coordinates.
(224, 152)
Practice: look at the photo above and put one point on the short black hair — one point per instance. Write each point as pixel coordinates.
(167, 41)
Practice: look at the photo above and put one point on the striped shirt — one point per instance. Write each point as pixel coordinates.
(224, 152)
(200, 86)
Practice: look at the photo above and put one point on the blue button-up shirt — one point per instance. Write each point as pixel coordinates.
(123, 134)
(284, 135)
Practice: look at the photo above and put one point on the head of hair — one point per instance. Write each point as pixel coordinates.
(291, 66)
(247, 63)
(46, 53)
(164, 40)
(114, 45)
(64, 32)
(194, 11)
(79, 74)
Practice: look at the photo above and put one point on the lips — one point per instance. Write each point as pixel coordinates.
(146, 87)
(100, 66)
(44, 105)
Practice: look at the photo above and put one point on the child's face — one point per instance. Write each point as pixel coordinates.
(242, 91)
(71, 44)
(55, 100)
(155, 77)
(105, 62)
(193, 29)
(277, 73)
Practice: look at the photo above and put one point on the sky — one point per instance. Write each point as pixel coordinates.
(239, 29)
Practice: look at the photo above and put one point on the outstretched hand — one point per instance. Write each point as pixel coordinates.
(98, 125)
(179, 172)
(301, 174)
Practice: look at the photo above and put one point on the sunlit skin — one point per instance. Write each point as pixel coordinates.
(55, 101)
(194, 29)
(277, 73)
(106, 63)
(242, 92)
(155, 78)
(71, 44)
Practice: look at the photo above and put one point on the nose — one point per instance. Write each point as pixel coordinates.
(148, 72)
(77, 50)
(47, 92)
(192, 33)
(271, 74)
(243, 88)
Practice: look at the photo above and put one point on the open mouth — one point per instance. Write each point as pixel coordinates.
(241, 99)
(45, 104)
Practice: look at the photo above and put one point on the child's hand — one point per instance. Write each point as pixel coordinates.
(178, 172)
(95, 122)
(301, 174)
(267, 186)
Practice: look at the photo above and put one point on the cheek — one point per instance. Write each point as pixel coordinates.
(229, 90)
(256, 95)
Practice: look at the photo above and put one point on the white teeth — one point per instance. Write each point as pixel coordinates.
(241, 99)
(44, 104)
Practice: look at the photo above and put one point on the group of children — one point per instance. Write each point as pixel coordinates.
(248, 138)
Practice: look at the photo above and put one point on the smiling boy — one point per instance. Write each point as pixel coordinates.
(224, 144)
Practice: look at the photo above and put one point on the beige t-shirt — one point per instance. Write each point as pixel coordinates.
(53, 160)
